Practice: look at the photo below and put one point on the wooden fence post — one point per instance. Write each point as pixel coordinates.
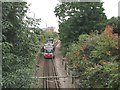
(65, 66)
(62, 61)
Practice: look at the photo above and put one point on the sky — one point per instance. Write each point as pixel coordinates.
(44, 9)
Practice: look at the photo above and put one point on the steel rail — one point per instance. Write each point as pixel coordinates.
(57, 84)
(55, 77)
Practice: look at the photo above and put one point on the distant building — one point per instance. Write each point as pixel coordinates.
(49, 29)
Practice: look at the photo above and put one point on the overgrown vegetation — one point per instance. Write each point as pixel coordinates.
(95, 57)
(46, 35)
(19, 45)
(94, 54)
(77, 18)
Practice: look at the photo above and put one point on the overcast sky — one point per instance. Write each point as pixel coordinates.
(44, 9)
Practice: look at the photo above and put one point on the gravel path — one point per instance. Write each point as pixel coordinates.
(65, 82)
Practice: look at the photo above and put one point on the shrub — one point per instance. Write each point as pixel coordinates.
(96, 58)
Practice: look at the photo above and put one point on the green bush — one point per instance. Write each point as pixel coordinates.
(19, 47)
(96, 59)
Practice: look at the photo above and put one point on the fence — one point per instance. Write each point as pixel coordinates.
(73, 73)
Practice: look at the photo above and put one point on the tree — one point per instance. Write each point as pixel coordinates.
(115, 22)
(95, 58)
(19, 46)
(79, 18)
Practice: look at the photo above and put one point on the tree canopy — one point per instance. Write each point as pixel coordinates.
(19, 46)
(78, 18)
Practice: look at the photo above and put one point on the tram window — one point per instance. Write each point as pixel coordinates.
(48, 51)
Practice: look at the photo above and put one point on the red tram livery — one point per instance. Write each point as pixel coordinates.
(49, 49)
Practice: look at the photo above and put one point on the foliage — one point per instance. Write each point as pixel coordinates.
(50, 34)
(19, 46)
(45, 35)
(78, 18)
(115, 22)
(96, 59)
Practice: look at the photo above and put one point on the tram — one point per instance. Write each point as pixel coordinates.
(49, 51)
(48, 54)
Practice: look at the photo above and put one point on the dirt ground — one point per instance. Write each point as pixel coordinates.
(64, 82)
(39, 71)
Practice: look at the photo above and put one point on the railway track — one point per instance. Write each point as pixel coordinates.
(50, 71)
(45, 74)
